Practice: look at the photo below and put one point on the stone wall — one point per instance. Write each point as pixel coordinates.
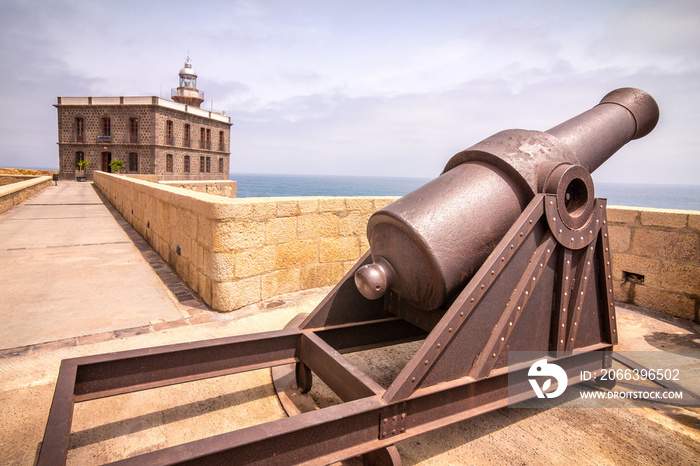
(9, 179)
(235, 252)
(656, 259)
(215, 187)
(13, 194)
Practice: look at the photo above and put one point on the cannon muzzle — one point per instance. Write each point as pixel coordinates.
(427, 244)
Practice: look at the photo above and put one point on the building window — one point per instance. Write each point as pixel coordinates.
(202, 136)
(201, 164)
(221, 141)
(208, 139)
(79, 130)
(106, 126)
(79, 157)
(186, 168)
(133, 162)
(221, 165)
(187, 136)
(208, 164)
(169, 133)
(169, 163)
(134, 130)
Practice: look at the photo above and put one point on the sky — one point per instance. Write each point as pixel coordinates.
(369, 88)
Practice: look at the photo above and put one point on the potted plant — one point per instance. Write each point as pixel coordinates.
(117, 166)
(80, 172)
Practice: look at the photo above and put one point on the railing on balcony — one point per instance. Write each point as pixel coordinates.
(186, 142)
(133, 138)
(186, 92)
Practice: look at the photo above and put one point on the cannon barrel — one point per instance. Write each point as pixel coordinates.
(428, 243)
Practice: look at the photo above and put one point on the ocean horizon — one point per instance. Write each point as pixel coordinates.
(661, 196)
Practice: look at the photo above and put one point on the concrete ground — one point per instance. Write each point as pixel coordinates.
(88, 299)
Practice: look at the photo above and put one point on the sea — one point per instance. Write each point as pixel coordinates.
(683, 197)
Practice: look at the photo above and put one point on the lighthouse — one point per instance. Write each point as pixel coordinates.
(187, 92)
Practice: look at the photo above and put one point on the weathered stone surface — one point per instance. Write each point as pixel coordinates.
(315, 226)
(296, 253)
(671, 303)
(650, 268)
(228, 296)
(288, 208)
(229, 236)
(255, 261)
(694, 221)
(317, 275)
(354, 224)
(680, 277)
(281, 282)
(362, 204)
(205, 231)
(280, 230)
(263, 209)
(619, 214)
(663, 218)
(672, 245)
(338, 249)
(308, 206)
(620, 237)
(331, 204)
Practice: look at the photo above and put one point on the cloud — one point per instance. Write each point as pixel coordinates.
(362, 87)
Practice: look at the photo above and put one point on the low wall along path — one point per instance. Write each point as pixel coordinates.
(235, 252)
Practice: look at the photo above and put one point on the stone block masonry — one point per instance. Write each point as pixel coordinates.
(656, 259)
(13, 194)
(236, 252)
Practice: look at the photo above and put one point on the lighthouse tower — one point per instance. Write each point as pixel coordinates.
(187, 92)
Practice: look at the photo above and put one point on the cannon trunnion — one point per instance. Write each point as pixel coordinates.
(506, 251)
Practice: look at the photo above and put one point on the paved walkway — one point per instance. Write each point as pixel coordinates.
(70, 270)
(77, 281)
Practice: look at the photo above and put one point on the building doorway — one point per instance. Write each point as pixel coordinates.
(106, 159)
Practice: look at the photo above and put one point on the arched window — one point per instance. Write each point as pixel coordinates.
(202, 137)
(221, 165)
(186, 168)
(79, 129)
(186, 142)
(133, 162)
(169, 133)
(221, 141)
(169, 163)
(106, 126)
(79, 157)
(134, 130)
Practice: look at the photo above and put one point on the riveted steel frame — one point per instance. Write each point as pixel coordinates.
(440, 385)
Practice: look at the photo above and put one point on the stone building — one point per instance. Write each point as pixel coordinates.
(174, 139)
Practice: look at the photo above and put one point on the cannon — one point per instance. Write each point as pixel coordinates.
(507, 251)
